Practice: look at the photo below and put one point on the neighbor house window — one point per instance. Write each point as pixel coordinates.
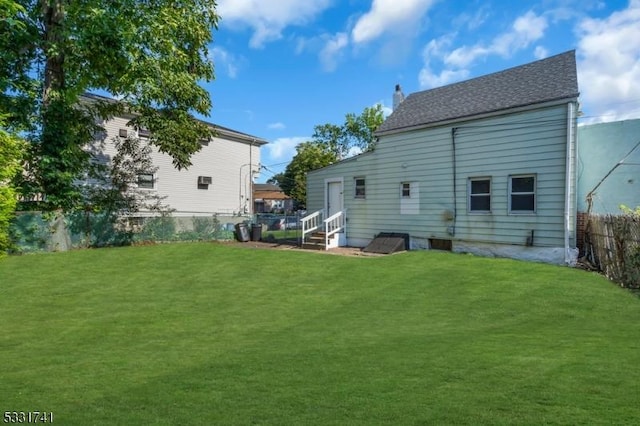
(480, 195)
(144, 133)
(522, 194)
(360, 187)
(405, 190)
(145, 180)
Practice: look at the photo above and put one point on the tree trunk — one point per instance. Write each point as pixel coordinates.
(53, 37)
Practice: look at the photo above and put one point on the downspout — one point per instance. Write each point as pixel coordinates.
(251, 178)
(568, 181)
(452, 229)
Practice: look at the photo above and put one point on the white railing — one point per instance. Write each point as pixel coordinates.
(330, 226)
(312, 223)
(333, 225)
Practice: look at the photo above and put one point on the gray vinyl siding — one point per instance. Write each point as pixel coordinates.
(221, 159)
(528, 143)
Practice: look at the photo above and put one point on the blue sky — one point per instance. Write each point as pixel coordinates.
(284, 66)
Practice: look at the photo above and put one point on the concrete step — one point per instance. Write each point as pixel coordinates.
(313, 246)
(316, 241)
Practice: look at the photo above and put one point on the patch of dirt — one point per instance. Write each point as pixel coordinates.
(292, 245)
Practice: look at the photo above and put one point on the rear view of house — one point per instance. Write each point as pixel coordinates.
(486, 165)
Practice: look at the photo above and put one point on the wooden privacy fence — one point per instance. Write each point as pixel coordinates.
(612, 245)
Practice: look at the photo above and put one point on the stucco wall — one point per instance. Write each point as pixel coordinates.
(600, 147)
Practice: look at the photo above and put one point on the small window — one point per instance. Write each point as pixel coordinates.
(480, 195)
(522, 194)
(360, 187)
(146, 181)
(143, 133)
(405, 190)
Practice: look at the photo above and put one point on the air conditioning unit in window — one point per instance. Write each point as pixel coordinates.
(204, 180)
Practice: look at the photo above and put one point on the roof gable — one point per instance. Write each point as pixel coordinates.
(546, 80)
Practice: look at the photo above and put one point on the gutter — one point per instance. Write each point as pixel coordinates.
(568, 180)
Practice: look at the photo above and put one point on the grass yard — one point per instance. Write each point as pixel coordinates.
(213, 334)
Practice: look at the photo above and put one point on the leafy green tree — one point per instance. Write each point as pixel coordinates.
(113, 196)
(629, 211)
(150, 54)
(276, 179)
(330, 143)
(11, 151)
(309, 156)
(355, 135)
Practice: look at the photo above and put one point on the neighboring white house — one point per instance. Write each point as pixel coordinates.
(486, 166)
(219, 181)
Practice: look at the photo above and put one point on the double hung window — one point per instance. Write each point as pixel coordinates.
(480, 195)
(522, 194)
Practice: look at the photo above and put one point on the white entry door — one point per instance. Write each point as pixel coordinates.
(334, 197)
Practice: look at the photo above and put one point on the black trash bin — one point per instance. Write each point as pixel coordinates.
(242, 232)
(256, 232)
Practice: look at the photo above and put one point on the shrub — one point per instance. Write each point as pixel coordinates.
(11, 154)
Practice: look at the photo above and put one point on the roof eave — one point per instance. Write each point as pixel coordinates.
(488, 114)
(237, 137)
(228, 134)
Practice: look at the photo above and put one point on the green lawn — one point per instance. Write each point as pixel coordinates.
(211, 334)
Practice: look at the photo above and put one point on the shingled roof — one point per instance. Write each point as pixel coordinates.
(546, 80)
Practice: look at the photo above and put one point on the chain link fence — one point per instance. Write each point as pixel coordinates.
(38, 232)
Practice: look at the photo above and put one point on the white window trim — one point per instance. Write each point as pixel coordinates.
(153, 182)
(534, 193)
(470, 195)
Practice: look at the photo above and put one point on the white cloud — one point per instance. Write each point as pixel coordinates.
(540, 52)
(223, 59)
(479, 18)
(528, 28)
(284, 149)
(332, 51)
(609, 65)
(396, 16)
(276, 126)
(465, 55)
(429, 79)
(268, 19)
(386, 110)
(525, 30)
(472, 20)
(435, 49)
